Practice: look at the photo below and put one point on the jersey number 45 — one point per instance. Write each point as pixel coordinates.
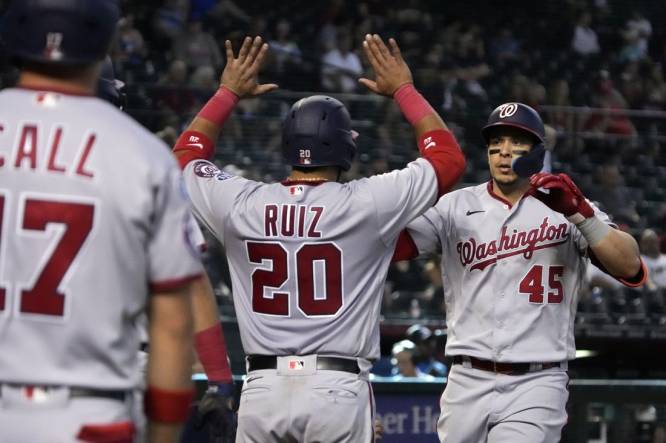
(532, 284)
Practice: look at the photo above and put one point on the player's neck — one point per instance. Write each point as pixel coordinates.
(83, 82)
(326, 173)
(513, 192)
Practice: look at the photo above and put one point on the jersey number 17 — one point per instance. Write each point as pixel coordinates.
(44, 296)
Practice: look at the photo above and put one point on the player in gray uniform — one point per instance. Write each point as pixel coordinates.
(514, 253)
(309, 256)
(215, 410)
(93, 230)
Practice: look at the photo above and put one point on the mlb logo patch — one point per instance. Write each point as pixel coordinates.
(296, 365)
(296, 190)
(47, 99)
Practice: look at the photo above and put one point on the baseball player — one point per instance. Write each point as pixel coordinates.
(216, 410)
(514, 253)
(308, 256)
(93, 217)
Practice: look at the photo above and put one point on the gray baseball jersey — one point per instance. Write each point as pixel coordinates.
(93, 215)
(511, 274)
(308, 261)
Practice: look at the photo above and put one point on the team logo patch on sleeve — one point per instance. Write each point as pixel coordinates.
(206, 169)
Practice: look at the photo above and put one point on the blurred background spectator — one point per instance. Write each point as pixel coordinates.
(424, 352)
(653, 258)
(404, 363)
(585, 41)
(197, 47)
(341, 66)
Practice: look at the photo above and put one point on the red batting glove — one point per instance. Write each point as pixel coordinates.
(563, 196)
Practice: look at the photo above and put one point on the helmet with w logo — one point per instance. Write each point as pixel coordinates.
(523, 117)
(517, 115)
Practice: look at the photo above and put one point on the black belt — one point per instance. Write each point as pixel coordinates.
(258, 362)
(99, 393)
(505, 368)
(86, 392)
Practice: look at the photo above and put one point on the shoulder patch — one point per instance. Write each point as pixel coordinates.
(206, 169)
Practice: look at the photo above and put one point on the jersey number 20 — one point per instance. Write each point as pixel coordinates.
(310, 303)
(44, 297)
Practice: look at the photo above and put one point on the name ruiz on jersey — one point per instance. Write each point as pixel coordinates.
(482, 255)
(291, 220)
(25, 154)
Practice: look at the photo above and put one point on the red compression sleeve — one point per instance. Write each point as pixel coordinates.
(167, 406)
(193, 145)
(441, 149)
(212, 351)
(405, 248)
(219, 107)
(412, 104)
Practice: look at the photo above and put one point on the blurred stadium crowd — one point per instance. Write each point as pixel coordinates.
(594, 69)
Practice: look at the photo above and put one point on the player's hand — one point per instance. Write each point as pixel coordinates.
(391, 71)
(378, 429)
(241, 73)
(563, 196)
(216, 412)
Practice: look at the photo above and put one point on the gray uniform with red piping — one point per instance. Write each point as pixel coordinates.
(511, 278)
(84, 238)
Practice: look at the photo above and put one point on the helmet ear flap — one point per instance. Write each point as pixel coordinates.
(531, 163)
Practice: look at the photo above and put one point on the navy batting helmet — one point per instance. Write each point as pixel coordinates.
(109, 88)
(317, 132)
(523, 117)
(66, 32)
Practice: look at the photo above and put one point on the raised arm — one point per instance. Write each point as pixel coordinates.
(394, 79)
(615, 251)
(239, 79)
